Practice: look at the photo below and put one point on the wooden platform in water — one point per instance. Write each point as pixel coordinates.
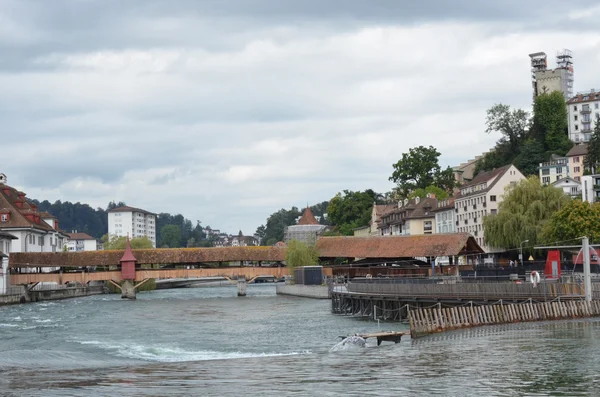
(384, 336)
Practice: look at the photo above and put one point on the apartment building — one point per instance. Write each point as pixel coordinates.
(582, 110)
(576, 157)
(132, 222)
(481, 197)
(555, 169)
(412, 217)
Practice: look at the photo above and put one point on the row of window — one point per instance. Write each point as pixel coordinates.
(586, 107)
(474, 201)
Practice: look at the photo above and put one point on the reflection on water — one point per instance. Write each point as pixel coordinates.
(210, 342)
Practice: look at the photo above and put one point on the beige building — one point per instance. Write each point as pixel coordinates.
(480, 198)
(412, 217)
(372, 229)
(576, 156)
(464, 172)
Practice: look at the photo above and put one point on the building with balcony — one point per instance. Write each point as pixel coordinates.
(576, 157)
(81, 242)
(133, 222)
(555, 169)
(480, 198)
(590, 188)
(582, 110)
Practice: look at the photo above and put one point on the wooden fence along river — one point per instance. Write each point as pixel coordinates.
(424, 321)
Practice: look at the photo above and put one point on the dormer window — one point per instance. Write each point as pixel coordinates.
(4, 218)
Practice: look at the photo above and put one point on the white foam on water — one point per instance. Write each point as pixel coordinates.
(8, 325)
(162, 353)
(44, 321)
(18, 318)
(350, 343)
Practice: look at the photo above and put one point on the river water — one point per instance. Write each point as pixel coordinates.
(209, 342)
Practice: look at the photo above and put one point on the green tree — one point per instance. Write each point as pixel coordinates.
(301, 254)
(420, 168)
(575, 219)
(261, 233)
(422, 193)
(592, 159)
(550, 122)
(350, 210)
(511, 123)
(170, 236)
(119, 243)
(532, 154)
(523, 214)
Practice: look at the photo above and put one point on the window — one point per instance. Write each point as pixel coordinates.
(576, 159)
(575, 108)
(546, 180)
(576, 127)
(575, 118)
(546, 171)
(492, 198)
(577, 169)
(493, 212)
(559, 170)
(4, 218)
(596, 105)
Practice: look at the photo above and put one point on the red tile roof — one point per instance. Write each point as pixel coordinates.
(9, 196)
(308, 218)
(398, 246)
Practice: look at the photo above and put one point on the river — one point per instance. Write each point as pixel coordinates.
(209, 342)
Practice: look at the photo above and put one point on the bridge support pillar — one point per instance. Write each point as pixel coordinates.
(241, 286)
(127, 289)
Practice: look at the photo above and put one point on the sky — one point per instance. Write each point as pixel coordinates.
(226, 111)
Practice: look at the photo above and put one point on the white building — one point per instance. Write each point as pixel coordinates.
(5, 244)
(582, 110)
(569, 186)
(132, 222)
(243, 241)
(555, 169)
(480, 198)
(34, 231)
(445, 218)
(81, 242)
(590, 188)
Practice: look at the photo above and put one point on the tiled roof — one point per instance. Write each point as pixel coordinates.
(47, 215)
(444, 205)
(7, 236)
(127, 208)
(487, 176)
(578, 150)
(579, 98)
(8, 199)
(398, 246)
(413, 210)
(308, 218)
(80, 236)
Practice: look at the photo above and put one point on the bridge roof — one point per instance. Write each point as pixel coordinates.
(451, 244)
(147, 256)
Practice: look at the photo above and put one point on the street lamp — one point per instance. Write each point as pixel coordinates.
(521, 251)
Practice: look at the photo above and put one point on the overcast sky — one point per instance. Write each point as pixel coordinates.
(226, 111)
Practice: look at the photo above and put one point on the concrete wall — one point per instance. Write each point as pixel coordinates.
(305, 291)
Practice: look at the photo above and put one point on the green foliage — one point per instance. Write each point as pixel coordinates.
(422, 193)
(550, 122)
(523, 214)
(511, 123)
(351, 210)
(592, 159)
(170, 236)
(119, 243)
(532, 154)
(418, 169)
(575, 219)
(301, 254)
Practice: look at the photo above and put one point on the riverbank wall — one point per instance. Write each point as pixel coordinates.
(51, 294)
(304, 291)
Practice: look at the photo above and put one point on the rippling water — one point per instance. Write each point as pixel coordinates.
(209, 342)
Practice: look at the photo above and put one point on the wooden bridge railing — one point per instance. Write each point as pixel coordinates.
(470, 291)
